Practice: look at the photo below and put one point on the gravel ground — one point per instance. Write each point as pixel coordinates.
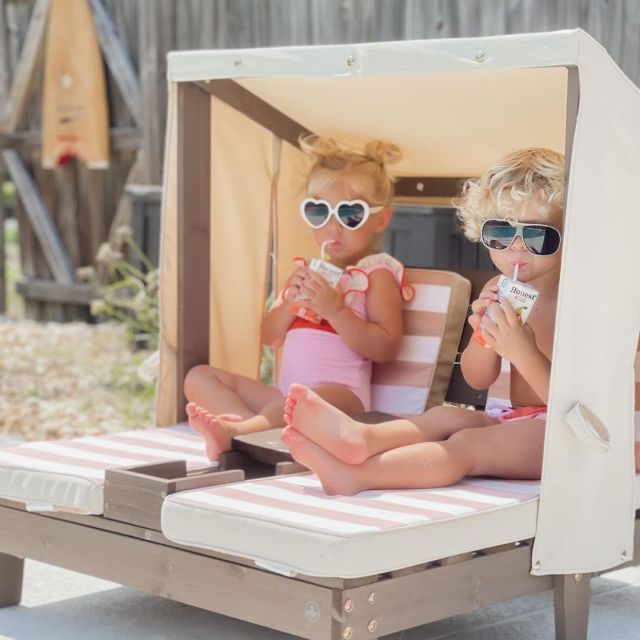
(66, 380)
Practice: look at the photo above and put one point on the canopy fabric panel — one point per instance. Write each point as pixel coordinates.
(586, 510)
(241, 171)
(447, 124)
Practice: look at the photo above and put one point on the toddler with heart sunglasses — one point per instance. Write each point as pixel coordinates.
(515, 209)
(348, 207)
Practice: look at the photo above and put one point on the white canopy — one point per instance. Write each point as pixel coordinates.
(454, 106)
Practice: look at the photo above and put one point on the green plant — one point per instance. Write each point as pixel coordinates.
(131, 295)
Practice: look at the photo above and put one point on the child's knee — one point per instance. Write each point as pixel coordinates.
(194, 379)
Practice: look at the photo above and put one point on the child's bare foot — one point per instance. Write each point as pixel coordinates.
(337, 477)
(325, 425)
(215, 431)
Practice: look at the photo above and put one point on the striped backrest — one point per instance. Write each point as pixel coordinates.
(433, 322)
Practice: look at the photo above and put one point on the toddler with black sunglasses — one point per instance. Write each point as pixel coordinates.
(515, 208)
(348, 208)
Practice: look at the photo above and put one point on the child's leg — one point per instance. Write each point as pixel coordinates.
(271, 415)
(512, 450)
(219, 391)
(353, 442)
(214, 392)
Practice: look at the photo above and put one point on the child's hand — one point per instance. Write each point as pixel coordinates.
(478, 307)
(295, 283)
(506, 335)
(323, 299)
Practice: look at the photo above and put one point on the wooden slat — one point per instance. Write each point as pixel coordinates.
(244, 593)
(25, 74)
(5, 62)
(156, 23)
(194, 199)
(52, 247)
(247, 103)
(441, 592)
(118, 61)
(11, 571)
(425, 187)
(51, 291)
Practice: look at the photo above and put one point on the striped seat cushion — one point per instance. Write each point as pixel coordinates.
(288, 524)
(68, 475)
(433, 323)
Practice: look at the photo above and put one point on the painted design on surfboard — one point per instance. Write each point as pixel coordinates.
(75, 121)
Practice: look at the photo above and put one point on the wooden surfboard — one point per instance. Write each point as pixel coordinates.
(74, 103)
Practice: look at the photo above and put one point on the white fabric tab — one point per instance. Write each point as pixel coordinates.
(588, 428)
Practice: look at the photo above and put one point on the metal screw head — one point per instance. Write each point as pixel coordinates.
(372, 626)
(163, 494)
(348, 606)
(106, 506)
(351, 60)
(480, 55)
(371, 598)
(624, 555)
(347, 633)
(238, 62)
(577, 577)
(106, 483)
(537, 566)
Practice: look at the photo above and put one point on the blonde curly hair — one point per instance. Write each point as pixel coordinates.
(365, 173)
(526, 175)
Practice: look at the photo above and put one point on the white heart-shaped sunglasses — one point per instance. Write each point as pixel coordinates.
(351, 214)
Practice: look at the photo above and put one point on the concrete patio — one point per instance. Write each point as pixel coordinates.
(62, 605)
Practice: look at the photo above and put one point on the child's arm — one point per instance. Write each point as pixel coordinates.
(377, 338)
(279, 318)
(516, 342)
(481, 366)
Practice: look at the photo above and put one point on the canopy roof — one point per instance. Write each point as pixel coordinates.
(455, 106)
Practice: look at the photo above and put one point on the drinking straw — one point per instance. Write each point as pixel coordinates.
(323, 248)
(515, 272)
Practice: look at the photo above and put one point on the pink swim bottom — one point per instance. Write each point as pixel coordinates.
(539, 413)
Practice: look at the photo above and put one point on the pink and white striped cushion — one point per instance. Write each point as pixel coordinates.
(433, 322)
(69, 474)
(288, 524)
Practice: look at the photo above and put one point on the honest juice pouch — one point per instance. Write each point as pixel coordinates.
(520, 296)
(330, 273)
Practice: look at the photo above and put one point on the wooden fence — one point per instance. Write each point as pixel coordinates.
(135, 36)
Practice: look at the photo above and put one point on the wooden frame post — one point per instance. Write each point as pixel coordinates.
(11, 571)
(194, 245)
(573, 103)
(571, 605)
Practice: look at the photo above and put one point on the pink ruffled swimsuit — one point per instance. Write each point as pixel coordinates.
(315, 354)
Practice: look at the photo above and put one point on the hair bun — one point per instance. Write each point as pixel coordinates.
(319, 147)
(382, 152)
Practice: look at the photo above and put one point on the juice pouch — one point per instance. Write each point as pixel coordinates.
(331, 274)
(520, 296)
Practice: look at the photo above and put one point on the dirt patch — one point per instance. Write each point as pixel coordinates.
(67, 380)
